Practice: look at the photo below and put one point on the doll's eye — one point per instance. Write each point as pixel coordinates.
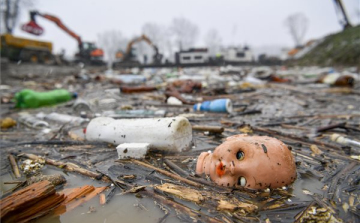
(241, 181)
(240, 155)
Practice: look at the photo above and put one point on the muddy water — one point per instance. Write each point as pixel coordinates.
(128, 208)
(121, 208)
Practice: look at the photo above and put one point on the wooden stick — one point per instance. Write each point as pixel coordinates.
(337, 125)
(166, 173)
(200, 217)
(102, 199)
(13, 182)
(71, 167)
(294, 137)
(212, 129)
(25, 203)
(14, 166)
(176, 168)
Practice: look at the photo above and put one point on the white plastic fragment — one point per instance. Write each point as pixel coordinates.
(61, 118)
(132, 150)
(345, 141)
(173, 101)
(167, 134)
(32, 121)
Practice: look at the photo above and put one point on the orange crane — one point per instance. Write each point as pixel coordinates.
(88, 52)
(129, 56)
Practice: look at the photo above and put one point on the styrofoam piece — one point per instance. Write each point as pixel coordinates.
(173, 101)
(167, 134)
(132, 150)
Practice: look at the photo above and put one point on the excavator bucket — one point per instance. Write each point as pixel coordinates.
(33, 28)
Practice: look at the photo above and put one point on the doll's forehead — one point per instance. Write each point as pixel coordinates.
(235, 145)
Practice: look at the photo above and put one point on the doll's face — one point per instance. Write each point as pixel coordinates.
(255, 162)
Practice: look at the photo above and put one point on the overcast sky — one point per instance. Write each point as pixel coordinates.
(255, 22)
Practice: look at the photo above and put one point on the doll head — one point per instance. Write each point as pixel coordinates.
(255, 162)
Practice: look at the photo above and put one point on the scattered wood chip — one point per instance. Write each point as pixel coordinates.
(182, 192)
(315, 149)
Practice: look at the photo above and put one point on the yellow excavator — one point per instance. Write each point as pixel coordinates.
(128, 57)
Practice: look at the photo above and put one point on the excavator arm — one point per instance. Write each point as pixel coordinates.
(58, 22)
(88, 52)
(339, 6)
(157, 56)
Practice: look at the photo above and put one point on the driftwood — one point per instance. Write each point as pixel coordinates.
(183, 193)
(102, 199)
(196, 216)
(71, 167)
(14, 166)
(166, 173)
(176, 168)
(212, 129)
(55, 179)
(76, 197)
(31, 202)
(185, 174)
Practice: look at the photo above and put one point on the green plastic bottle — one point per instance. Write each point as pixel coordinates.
(31, 99)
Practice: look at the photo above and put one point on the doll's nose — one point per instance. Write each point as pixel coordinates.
(232, 168)
(220, 169)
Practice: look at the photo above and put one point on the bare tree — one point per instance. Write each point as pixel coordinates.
(111, 42)
(185, 32)
(157, 34)
(297, 25)
(10, 11)
(213, 41)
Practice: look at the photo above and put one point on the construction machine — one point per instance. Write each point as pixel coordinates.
(23, 49)
(88, 52)
(345, 21)
(128, 57)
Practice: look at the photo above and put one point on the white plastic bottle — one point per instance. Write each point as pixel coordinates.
(168, 134)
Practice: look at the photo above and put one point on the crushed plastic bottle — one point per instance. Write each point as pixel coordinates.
(81, 105)
(31, 99)
(32, 121)
(218, 105)
(62, 118)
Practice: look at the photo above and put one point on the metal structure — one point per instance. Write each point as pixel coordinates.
(340, 7)
(88, 51)
(129, 58)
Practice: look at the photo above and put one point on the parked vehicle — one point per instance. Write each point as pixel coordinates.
(27, 50)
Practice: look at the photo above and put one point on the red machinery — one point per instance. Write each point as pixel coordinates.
(88, 52)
